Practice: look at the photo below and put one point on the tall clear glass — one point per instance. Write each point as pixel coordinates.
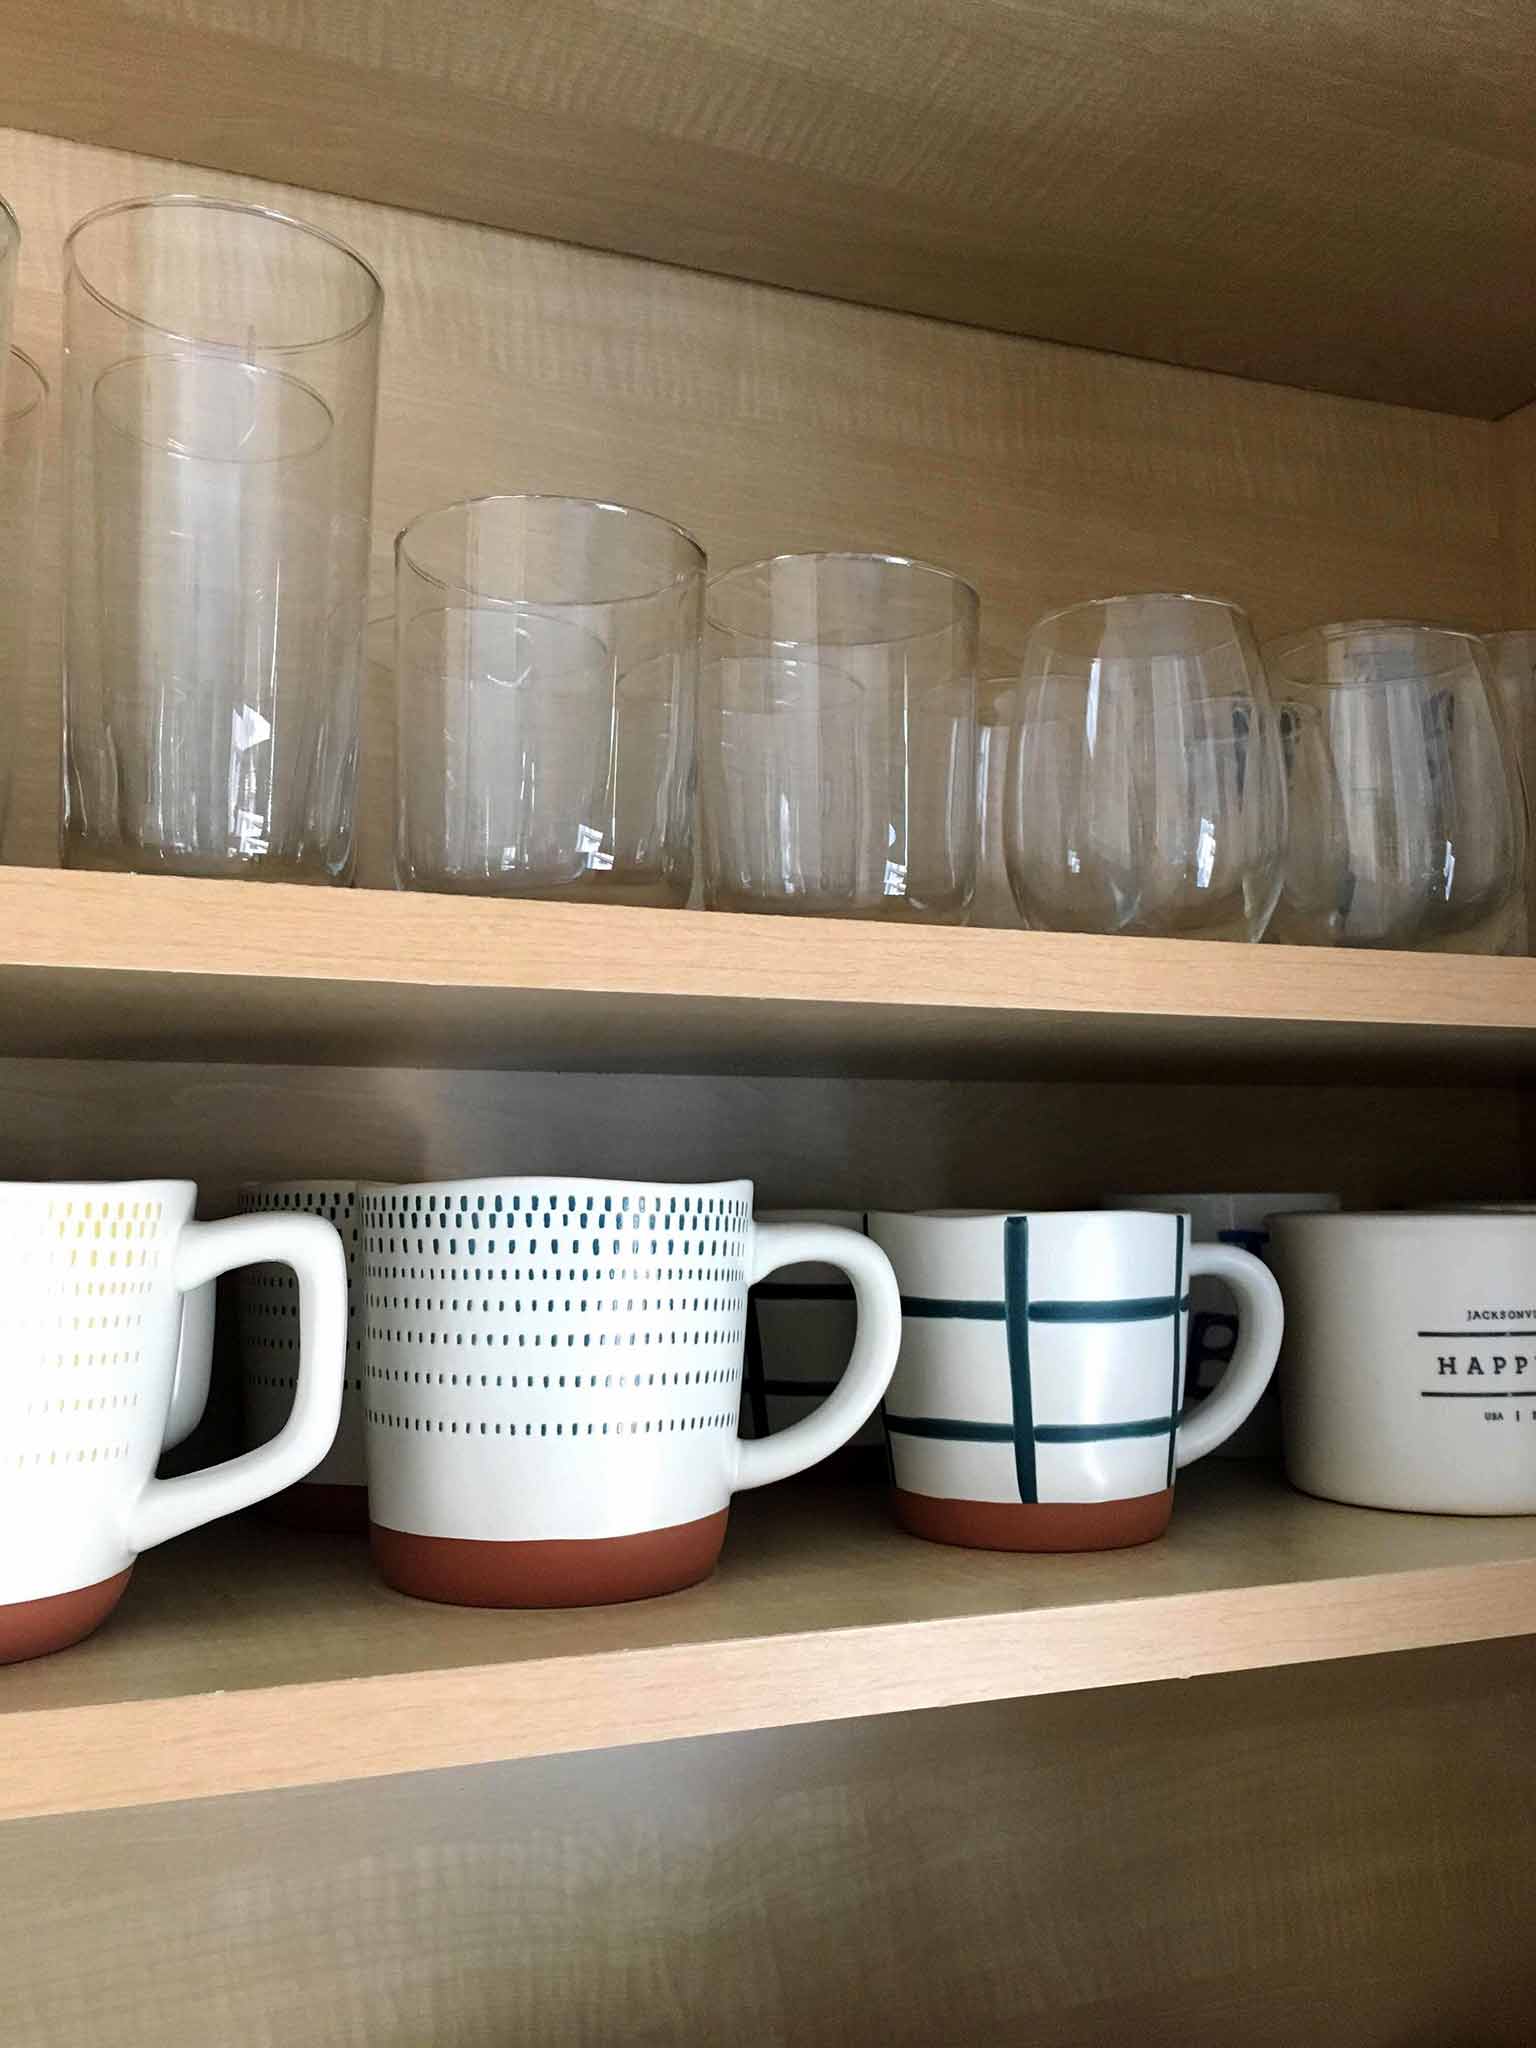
(1146, 784)
(546, 672)
(837, 756)
(23, 420)
(219, 402)
(1432, 805)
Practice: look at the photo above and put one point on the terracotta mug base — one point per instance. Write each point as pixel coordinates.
(575, 1572)
(319, 1510)
(35, 1628)
(1046, 1525)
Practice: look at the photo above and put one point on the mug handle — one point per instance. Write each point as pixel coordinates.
(1261, 1323)
(194, 1365)
(876, 1342)
(169, 1507)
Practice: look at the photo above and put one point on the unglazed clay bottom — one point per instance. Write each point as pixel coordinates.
(35, 1628)
(320, 1510)
(1053, 1525)
(566, 1573)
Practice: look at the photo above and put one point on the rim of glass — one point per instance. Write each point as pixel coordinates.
(203, 202)
(1336, 629)
(834, 555)
(37, 394)
(1093, 604)
(461, 505)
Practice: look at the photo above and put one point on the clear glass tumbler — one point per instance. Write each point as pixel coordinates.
(219, 404)
(1146, 784)
(546, 672)
(23, 419)
(837, 755)
(1430, 795)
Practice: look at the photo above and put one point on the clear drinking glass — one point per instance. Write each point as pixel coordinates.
(1433, 810)
(547, 666)
(1146, 786)
(219, 403)
(1315, 890)
(23, 418)
(837, 757)
(996, 714)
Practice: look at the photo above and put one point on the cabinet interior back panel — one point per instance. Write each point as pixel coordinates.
(766, 419)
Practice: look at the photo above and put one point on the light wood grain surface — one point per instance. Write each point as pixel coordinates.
(1324, 194)
(1334, 1854)
(764, 420)
(244, 1660)
(157, 967)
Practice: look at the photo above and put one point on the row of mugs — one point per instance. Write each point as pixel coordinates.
(546, 1375)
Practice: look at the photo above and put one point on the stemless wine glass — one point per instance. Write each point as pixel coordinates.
(1146, 788)
(838, 739)
(23, 413)
(547, 663)
(1432, 806)
(996, 714)
(219, 401)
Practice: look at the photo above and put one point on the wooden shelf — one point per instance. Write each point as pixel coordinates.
(1041, 169)
(247, 1659)
(124, 966)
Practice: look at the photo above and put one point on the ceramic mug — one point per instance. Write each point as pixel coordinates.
(94, 1276)
(1410, 1359)
(554, 1375)
(335, 1495)
(800, 1329)
(1213, 1322)
(1036, 1403)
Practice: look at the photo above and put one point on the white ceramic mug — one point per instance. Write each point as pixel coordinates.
(1036, 1403)
(1213, 1320)
(335, 1495)
(1410, 1359)
(94, 1276)
(554, 1374)
(800, 1329)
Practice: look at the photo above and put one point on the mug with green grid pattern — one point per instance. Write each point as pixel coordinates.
(1036, 1403)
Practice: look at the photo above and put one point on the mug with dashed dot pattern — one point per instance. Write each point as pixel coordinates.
(106, 1286)
(553, 1381)
(334, 1496)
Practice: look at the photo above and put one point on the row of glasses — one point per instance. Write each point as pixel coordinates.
(577, 712)
(1357, 785)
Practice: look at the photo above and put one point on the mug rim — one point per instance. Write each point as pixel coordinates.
(1011, 1215)
(530, 1182)
(54, 1187)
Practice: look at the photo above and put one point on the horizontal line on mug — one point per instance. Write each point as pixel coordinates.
(1094, 1432)
(813, 1290)
(1477, 1393)
(946, 1431)
(1145, 1309)
(1482, 1335)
